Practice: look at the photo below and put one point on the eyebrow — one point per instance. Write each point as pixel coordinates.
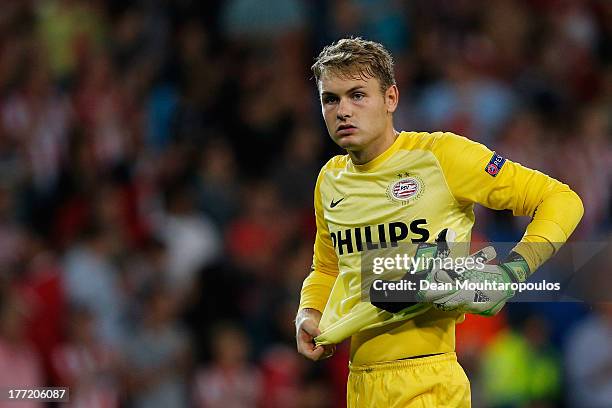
(349, 91)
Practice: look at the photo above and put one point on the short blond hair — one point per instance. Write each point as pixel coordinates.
(356, 57)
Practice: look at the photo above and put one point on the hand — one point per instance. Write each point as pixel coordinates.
(307, 328)
(485, 301)
(395, 301)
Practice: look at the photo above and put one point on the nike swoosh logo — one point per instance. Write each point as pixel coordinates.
(335, 203)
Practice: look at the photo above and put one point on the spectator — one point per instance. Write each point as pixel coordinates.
(157, 354)
(86, 364)
(188, 133)
(589, 374)
(93, 280)
(191, 238)
(19, 364)
(229, 381)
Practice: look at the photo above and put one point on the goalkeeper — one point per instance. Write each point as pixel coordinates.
(404, 187)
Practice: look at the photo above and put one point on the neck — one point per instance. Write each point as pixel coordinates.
(374, 149)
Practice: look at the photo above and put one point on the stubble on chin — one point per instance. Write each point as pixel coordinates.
(347, 143)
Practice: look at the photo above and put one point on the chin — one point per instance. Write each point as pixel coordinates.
(349, 143)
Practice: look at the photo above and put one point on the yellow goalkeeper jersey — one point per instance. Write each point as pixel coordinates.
(423, 183)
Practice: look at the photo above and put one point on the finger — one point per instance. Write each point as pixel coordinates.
(329, 351)
(314, 354)
(423, 252)
(307, 350)
(436, 290)
(455, 301)
(433, 295)
(485, 255)
(306, 340)
(310, 326)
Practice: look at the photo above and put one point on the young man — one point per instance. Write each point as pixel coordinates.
(405, 187)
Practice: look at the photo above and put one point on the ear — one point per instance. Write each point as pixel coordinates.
(392, 98)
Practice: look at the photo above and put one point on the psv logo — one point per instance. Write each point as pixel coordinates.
(405, 189)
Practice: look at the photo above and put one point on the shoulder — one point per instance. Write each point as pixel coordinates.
(449, 148)
(434, 141)
(332, 166)
(335, 163)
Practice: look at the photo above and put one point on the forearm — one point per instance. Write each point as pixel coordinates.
(554, 207)
(308, 313)
(315, 290)
(554, 221)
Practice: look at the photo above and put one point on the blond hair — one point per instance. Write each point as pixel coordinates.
(356, 58)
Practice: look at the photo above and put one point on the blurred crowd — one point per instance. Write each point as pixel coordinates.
(157, 163)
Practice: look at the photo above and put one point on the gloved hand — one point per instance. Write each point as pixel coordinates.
(489, 285)
(486, 301)
(395, 300)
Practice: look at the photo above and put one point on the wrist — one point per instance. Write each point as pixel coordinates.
(517, 267)
(307, 313)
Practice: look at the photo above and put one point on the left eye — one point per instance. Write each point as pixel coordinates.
(358, 96)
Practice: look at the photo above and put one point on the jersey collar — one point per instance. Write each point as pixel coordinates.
(380, 159)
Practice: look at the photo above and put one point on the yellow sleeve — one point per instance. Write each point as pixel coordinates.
(317, 286)
(555, 209)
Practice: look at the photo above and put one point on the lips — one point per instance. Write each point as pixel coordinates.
(345, 129)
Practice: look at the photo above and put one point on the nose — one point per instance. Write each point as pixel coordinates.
(344, 110)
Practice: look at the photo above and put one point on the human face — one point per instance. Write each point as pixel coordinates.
(357, 114)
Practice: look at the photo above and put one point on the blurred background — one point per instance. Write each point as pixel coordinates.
(157, 164)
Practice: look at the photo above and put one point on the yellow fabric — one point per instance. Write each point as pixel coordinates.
(449, 174)
(515, 188)
(317, 286)
(436, 381)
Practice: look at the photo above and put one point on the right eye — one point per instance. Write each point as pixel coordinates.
(330, 99)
